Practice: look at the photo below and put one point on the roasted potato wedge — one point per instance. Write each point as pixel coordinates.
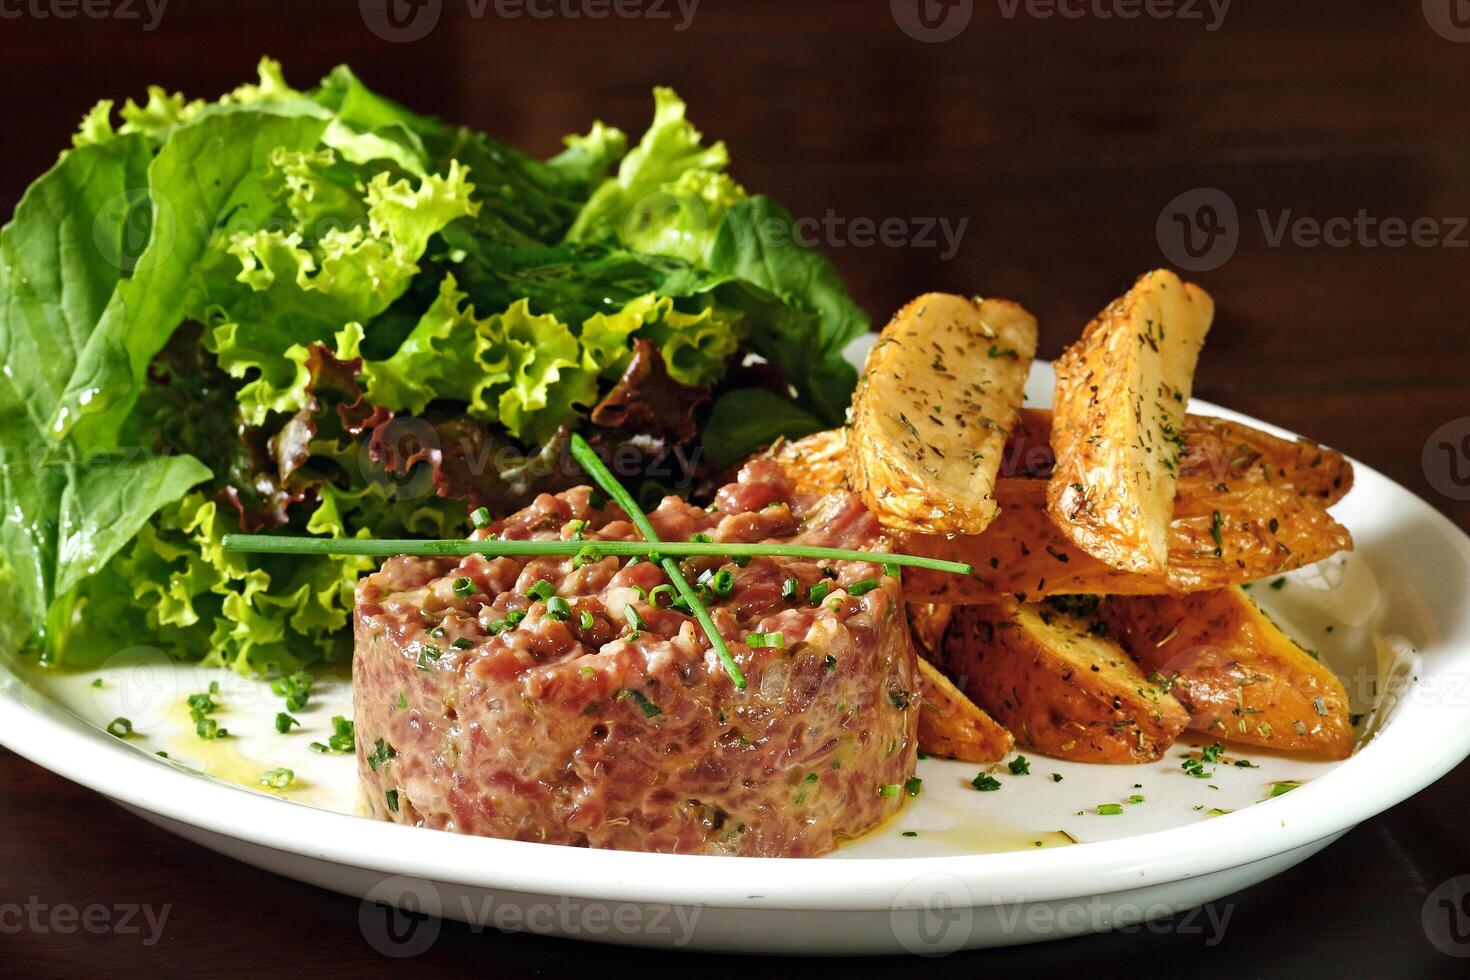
(1119, 419)
(1261, 530)
(1237, 674)
(951, 726)
(1061, 689)
(931, 415)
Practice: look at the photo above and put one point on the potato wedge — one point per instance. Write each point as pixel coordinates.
(951, 726)
(931, 415)
(1241, 678)
(1271, 494)
(1261, 531)
(1119, 416)
(1061, 689)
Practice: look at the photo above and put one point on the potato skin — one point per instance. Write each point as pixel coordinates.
(1120, 402)
(951, 726)
(937, 399)
(1240, 677)
(1061, 691)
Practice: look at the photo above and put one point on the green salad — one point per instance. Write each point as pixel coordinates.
(317, 312)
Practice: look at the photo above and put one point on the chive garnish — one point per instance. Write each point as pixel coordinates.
(558, 608)
(120, 727)
(862, 587)
(739, 554)
(464, 587)
(541, 591)
(630, 613)
(819, 592)
(790, 589)
(773, 640)
(480, 517)
(285, 722)
(278, 778)
(585, 620)
(663, 590)
(722, 583)
(583, 454)
(1109, 809)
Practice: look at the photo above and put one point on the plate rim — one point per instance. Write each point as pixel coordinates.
(42, 731)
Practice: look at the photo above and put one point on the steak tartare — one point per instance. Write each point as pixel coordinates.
(563, 700)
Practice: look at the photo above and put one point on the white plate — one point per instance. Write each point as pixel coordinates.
(985, 869)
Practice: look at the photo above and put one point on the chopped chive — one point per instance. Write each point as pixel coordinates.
(1136, 798)
(558, 608)
(464, 587)
(381, 754)
(541, 591)
(278, 778)
(913, 786)
(97, 682)
(402, 701)
(890, 569)
(284, 722)
(650, 710)
(585, 620)
(1278, 789)
(1019, 766)
(462, 643)
(819, 592)
(209, 730)
(1056, 777)
(1110, 809)
(790, 589)
(862, 587)
(985, 783)
(586, 556)
(426, 660)
(630, 613)
(700, 538)
(723, 582)
(759, 640)
(500, 626)
(663, 590)
(480, 517)
(120, 727)
(831, 662)
(391, 798)
(343, 738)
(889, 790)
(911, 833)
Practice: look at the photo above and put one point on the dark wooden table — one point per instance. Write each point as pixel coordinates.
(1061, 142)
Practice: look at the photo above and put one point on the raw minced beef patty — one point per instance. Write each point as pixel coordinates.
(585, 730)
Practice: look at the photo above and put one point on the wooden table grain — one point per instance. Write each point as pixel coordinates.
(1048, 152)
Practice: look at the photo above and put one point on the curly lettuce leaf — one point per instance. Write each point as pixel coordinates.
(167, 285)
